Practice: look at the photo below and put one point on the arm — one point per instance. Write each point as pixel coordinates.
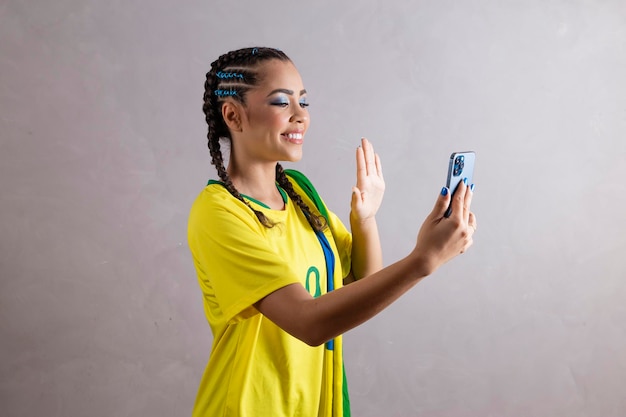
(316, 320)
(367, 197)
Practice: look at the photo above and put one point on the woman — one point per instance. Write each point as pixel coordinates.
(271, 260)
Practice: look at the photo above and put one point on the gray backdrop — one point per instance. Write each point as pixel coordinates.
(103, 151)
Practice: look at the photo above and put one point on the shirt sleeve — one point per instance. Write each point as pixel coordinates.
(236, 265)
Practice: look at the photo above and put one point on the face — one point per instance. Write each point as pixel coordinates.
(275, 116)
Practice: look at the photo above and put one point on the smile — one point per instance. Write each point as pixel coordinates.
(295, 138)
(293, 135)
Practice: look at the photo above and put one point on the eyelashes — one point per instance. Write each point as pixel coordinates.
(285, 103)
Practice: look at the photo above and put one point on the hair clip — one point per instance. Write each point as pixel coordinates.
(255, 50)
(225, 75)
(225, 93)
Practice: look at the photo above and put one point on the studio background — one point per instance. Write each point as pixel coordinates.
(103, 149)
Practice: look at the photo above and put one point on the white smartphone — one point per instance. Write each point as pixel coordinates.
(461, 166)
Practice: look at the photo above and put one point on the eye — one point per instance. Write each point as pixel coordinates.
(304, 104)
(280, 101)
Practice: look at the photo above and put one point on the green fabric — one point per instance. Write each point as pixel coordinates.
(346, 394)
(310, 191)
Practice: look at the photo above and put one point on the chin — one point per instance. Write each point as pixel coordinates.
(292, 155)
(293, 158)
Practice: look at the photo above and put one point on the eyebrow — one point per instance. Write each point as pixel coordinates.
(283, 90)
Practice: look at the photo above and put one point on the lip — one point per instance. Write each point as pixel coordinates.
(294, 136)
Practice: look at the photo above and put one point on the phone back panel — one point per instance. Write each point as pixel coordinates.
(461, 166)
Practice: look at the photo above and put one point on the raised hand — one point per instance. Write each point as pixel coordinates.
(367, 195)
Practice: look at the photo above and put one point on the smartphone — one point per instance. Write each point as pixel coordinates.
(461, 166)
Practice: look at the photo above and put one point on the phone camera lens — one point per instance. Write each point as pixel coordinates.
(459, 164)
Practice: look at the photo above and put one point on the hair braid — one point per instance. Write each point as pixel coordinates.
(317, 222)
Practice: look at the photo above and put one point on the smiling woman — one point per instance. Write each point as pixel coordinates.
(273, 262)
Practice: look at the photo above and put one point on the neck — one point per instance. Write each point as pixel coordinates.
(257, 181)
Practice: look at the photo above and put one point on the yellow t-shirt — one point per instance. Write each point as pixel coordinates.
(255, 368)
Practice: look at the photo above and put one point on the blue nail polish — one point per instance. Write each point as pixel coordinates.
(444, 191)
(465, 181)
(472, 187)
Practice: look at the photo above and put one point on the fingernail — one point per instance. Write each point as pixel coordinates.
(465, 181)
(444, 191)
(472, 187)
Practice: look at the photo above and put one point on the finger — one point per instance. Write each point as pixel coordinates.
(356, 197)
(469, 243)
(472, 222)
(379, 167)
(467, 202)
(361, 169)
(370, 157)
(458, 200)
(441, 205)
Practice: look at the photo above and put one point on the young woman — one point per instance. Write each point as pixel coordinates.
(272, 261)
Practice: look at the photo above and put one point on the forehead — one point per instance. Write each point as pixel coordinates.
(279, 74)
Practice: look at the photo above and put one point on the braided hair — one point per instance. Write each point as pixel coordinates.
(231, 76)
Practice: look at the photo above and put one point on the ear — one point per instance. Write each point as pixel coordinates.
(232, 114)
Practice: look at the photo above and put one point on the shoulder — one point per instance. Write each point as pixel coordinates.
(214, 196)
(216, 206)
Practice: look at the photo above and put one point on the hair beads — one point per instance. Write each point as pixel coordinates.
(227, 75)
(225, 93)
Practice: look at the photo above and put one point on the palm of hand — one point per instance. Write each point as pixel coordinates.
(370, 184)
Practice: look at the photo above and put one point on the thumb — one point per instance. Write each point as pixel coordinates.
(356, 197)
(442, 203)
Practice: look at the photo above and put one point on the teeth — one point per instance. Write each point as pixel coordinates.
(294, 135)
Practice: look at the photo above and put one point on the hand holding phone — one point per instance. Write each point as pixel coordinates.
(461, 166)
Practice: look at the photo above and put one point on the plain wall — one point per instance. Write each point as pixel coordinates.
(103, 149)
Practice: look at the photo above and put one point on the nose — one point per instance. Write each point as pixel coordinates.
(300, 114)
